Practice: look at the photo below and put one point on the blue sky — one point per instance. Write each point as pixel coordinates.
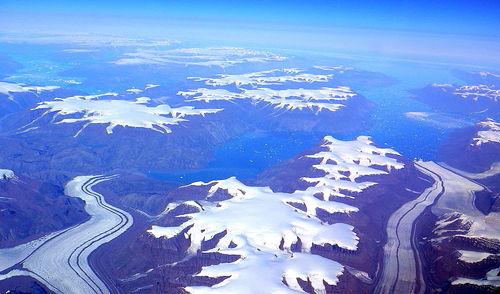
(478, 17)
(416, 27)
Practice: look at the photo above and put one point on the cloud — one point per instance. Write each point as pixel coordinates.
(210, 56)
(85, 40)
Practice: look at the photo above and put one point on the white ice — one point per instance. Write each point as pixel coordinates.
(269, 77)
(338, 68)
(60, 260)
(473, 256)
(489, 133)
(9, 88)
(113, 113)
(6, 174)
(289, 99)
(257, 221)
(472, 92)
(210, 56)
(492, 278)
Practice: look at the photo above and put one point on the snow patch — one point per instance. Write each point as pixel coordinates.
(134, 91)
(340, 68)
(488, 74)
(472, 92)
(79, 50)
(344, 162)
(473, 256)
(210, 56)
(9, 88)
(151, 86)
(113, 113)
(492, 279)
(269, 77)
(479, 91)
(289, 99)
(6, 174)
(489, 133)
(261, 226)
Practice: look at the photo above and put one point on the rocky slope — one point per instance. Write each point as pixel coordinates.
(471, 100)
(139, 131)
(30, 209)
(462, 247)
(329, 192)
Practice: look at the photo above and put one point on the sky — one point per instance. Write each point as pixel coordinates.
(455, 28)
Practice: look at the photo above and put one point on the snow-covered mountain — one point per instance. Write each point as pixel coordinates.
(139, 123)
(99, 109)
(211, 56)
(265, 244)
(489, 133)
(475, 148)
(480, 99)
(8, 89)
(300, 239)
(6, 174)
(16, 97)
(315, 100)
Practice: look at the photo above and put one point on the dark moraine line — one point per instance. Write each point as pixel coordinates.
(391, 278)
(105, 278)
(62, 261)
(86, 188)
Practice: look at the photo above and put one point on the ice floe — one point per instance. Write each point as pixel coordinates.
(209, 56)
(261, 225)
(93, 109)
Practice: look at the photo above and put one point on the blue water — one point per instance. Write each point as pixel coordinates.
(251, 154)
(413, 139)
(247, 156)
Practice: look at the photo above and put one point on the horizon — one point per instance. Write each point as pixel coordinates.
(463, 32)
